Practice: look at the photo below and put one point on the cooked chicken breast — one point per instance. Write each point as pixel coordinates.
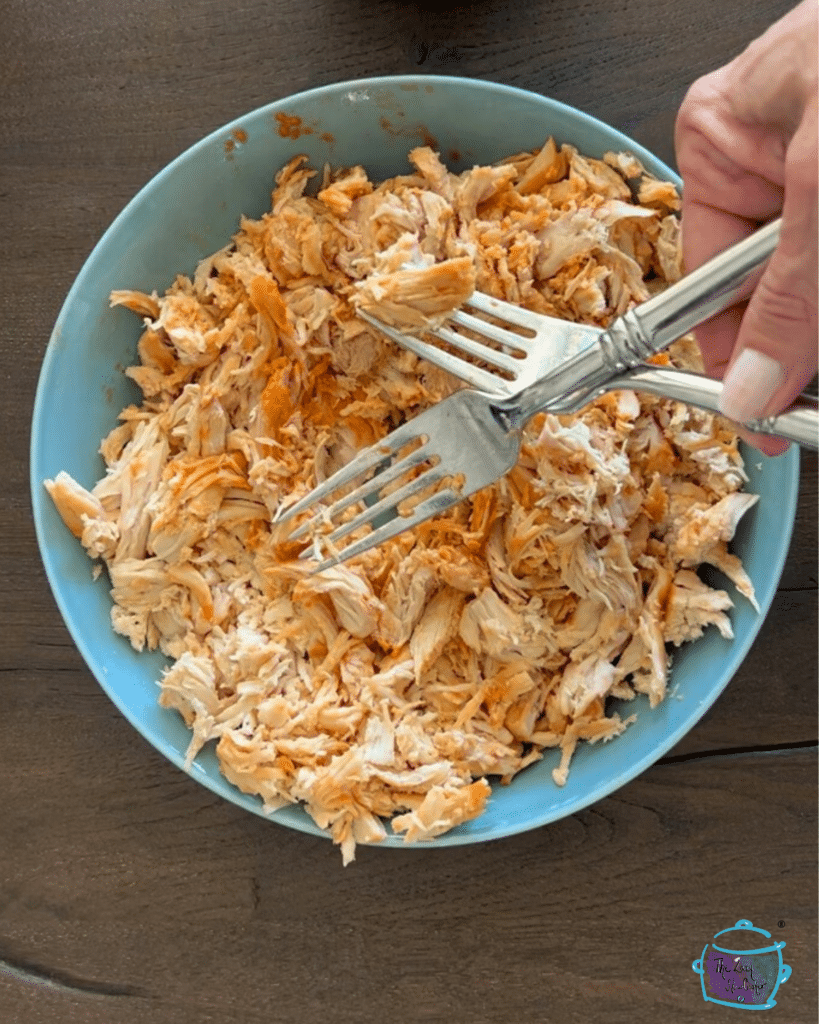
(390, 689)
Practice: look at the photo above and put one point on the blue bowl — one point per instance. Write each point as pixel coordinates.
(192, 208)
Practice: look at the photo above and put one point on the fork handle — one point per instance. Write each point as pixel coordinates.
(646, 329)
(706, 291)
(799, 422)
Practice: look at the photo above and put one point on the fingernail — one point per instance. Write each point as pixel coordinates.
(749, 385)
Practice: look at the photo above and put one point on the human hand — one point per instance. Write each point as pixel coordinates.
(746, 142)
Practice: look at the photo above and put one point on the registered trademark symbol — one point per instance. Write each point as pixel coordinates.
(780, 924)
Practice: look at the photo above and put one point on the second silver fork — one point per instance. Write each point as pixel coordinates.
(472, 438)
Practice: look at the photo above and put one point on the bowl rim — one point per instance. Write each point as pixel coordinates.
(619, 778)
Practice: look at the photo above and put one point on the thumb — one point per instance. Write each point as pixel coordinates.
(775, 355)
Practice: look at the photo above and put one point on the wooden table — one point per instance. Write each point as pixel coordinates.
(128, 893)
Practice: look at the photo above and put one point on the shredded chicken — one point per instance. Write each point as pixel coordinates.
(389, 689)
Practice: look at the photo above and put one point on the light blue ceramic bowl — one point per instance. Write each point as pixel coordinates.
(191, 209)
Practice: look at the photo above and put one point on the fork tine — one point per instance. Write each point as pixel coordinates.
(366, 460)
(371, 486)
(436, 503)
(502, 335)
(504, 310)
(481, 379)
(476, 348)
(389, 503)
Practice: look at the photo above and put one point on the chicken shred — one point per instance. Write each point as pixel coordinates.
(391, 688)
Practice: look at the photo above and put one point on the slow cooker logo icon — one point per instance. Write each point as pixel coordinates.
(742, 967)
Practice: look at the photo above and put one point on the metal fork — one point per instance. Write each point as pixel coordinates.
(471, 439)
(521, 359)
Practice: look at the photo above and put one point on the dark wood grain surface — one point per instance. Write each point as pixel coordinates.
(130, 894)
